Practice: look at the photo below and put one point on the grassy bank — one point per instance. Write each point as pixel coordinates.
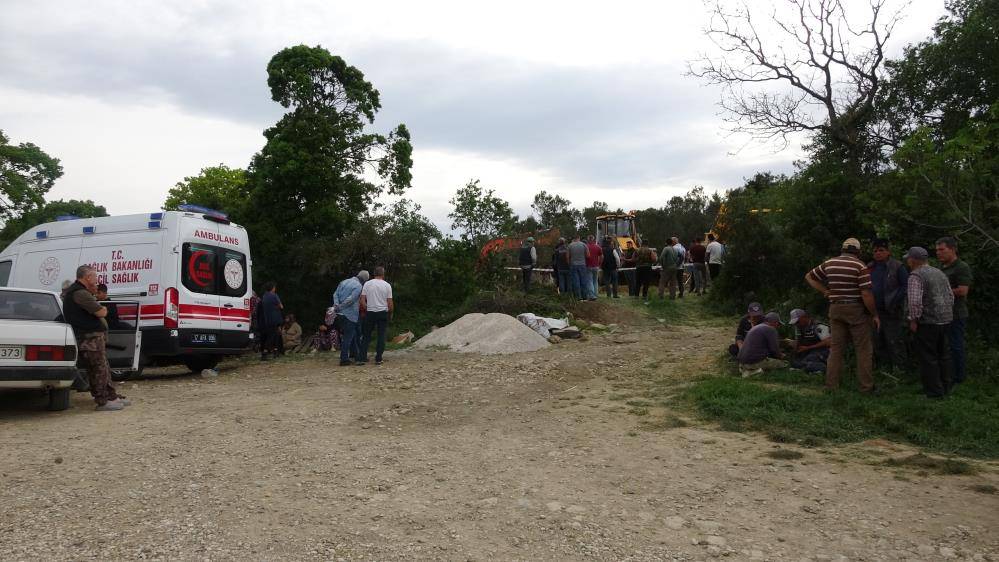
(791, 406)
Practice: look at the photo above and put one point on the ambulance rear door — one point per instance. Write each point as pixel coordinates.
(199, 299)
(234, 279)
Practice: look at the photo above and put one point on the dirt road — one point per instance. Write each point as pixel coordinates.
(441, 456)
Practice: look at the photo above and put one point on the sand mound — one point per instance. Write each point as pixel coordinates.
(487, 334)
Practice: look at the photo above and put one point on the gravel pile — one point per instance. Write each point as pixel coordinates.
(488, 334)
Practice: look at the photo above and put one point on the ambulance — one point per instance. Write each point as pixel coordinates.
(182, 278)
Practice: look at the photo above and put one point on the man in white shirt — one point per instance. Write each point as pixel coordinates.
(715, 253)
(376, 299)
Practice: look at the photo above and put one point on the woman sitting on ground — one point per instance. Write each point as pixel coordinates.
(326, 339)
(291, 332)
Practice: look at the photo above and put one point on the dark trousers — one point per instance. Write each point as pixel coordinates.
(610, 282)
(714, 270)
(525, 273)
(271, 341)
(957, 353)
(889, 342)
(679, 281)
(644, 280)
(563, 280)
(629, 278)
(934, 358)
(813, 361)
(349, 338)
(374, 321)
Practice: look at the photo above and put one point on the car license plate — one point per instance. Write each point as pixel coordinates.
(11, 351)
(203, 338)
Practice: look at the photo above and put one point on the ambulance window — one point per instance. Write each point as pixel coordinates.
(199, 268)
(5, 272)
(232, 267)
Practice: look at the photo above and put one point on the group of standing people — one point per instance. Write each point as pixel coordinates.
(362, 308)
(873, 306)
(578, 266)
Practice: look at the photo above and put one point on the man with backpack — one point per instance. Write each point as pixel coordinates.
(889, 280)
(645, 260)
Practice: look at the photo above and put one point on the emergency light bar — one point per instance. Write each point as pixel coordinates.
(62, 218)
(203, 210)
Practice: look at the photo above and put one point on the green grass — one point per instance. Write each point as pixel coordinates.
(791, 407)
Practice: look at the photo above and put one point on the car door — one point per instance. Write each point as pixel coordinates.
(124, 335)
(199, 298)
(234, 301)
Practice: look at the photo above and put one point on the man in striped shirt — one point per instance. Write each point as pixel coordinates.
(846, 282)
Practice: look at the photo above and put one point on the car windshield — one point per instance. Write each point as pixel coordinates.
(17, 305)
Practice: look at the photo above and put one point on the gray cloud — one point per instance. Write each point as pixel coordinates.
(614, 127)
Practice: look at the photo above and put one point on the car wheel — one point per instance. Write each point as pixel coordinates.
(59, 399)
(198, 363)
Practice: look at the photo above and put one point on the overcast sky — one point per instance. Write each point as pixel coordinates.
(587, 100)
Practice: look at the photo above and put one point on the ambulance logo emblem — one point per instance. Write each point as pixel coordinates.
(233, 273)
(48, 272)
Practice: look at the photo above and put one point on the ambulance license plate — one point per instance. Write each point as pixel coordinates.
(204, 338)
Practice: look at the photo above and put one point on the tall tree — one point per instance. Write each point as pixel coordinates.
(803, 66)
(216, 187)
(321, 167)
(480, 214)
(27, 173)
(555, 211)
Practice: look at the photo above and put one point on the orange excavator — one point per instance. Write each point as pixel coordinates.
(507, 245)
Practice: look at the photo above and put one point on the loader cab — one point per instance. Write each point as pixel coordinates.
(621, 227)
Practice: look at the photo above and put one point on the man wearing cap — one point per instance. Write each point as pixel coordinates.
(754, 314)
(347, 305)
(760, 351)
(811, 342)
(846, 282)
(528, 259)
(889, 279)
(931, 310)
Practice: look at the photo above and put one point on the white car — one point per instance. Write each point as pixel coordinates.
(37, 346)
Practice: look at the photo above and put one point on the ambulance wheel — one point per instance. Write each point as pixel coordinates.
(59, 399)
(198, 363)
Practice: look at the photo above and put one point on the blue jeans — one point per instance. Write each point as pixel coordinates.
(594, 282)
(372, 321)
(580, 278)
(349, 340)
(957, 355)
(563, 281)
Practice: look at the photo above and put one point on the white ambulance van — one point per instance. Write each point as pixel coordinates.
(188, 270)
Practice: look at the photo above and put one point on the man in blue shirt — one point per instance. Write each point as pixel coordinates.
(889, 278)
(347, 304)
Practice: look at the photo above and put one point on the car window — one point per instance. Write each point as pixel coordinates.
(5, 272)
(15, 305)
(199, 268)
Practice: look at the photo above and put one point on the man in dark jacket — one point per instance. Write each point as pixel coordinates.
(87, 317)
(527, 260)
(889, 279)
(271, 316)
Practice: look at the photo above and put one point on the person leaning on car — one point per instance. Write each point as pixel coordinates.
(87, 316)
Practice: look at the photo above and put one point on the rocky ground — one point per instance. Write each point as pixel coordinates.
(437, 455)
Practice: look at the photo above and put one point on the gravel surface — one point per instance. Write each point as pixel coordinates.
(436, 455)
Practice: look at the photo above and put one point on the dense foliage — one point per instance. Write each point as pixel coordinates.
(929, 168)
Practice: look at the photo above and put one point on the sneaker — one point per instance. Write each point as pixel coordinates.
(346, 363)
(123, 401)
(112, 406)
(378, 362)
(361, 363)
(750, 372)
